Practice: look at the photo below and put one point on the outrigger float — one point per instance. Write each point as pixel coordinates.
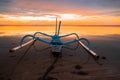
(55, 43)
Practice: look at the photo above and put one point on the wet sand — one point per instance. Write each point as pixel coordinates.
(73, 65)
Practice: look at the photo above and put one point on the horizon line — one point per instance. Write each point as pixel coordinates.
(62, 25)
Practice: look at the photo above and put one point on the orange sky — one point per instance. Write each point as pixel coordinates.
(70, 20)
(43, 12)
(80, 20)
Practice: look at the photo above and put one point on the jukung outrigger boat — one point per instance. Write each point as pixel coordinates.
(55, 43)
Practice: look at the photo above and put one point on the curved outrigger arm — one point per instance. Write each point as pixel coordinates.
(25, 44)
(87, 48)
(34, 38)
(42, 34)
(69, 35)
(76, 40)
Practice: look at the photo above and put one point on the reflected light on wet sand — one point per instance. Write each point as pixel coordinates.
(82, 31)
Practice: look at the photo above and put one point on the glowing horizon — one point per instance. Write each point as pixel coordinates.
(68, 19)
(82, 31)
(42, 12)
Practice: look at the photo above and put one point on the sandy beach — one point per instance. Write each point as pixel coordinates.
(73, 65)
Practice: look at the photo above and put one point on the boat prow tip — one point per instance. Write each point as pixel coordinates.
(11, 50)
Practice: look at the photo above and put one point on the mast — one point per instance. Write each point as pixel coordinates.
(59, 28)
(56, 27)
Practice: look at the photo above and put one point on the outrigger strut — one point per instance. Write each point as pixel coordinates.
(55, 43)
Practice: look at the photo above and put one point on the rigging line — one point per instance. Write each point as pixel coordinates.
(22, 57)
(50, 68)
(85, 62)
(40, 49)
(88, 58)
(70, 48)
(75, 48)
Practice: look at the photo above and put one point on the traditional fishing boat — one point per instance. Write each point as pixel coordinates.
(55, 43)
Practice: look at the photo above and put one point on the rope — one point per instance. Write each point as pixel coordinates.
(78, 44)
(76, 47)
(39, 50)
(21, 58)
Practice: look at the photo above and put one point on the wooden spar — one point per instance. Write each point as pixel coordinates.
(95, 56)
(59, 28)
(18, 47)
(56, 27)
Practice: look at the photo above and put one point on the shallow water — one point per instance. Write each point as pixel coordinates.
(105, 42)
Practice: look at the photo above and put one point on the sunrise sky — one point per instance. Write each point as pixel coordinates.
(71, 12)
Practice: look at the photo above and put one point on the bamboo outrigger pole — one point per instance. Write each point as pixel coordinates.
(18, 47)
(92, 53)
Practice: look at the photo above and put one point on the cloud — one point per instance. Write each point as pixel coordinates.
(5, 6)
(115, 13)
(111, 13)
(5, 1)
(38, 7)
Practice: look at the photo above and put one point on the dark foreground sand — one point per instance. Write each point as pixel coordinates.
(73, 65)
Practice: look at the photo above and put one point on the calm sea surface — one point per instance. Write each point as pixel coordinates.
(81, 30)
(105, 41)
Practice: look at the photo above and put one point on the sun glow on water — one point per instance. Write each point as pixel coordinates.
(85, 30)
